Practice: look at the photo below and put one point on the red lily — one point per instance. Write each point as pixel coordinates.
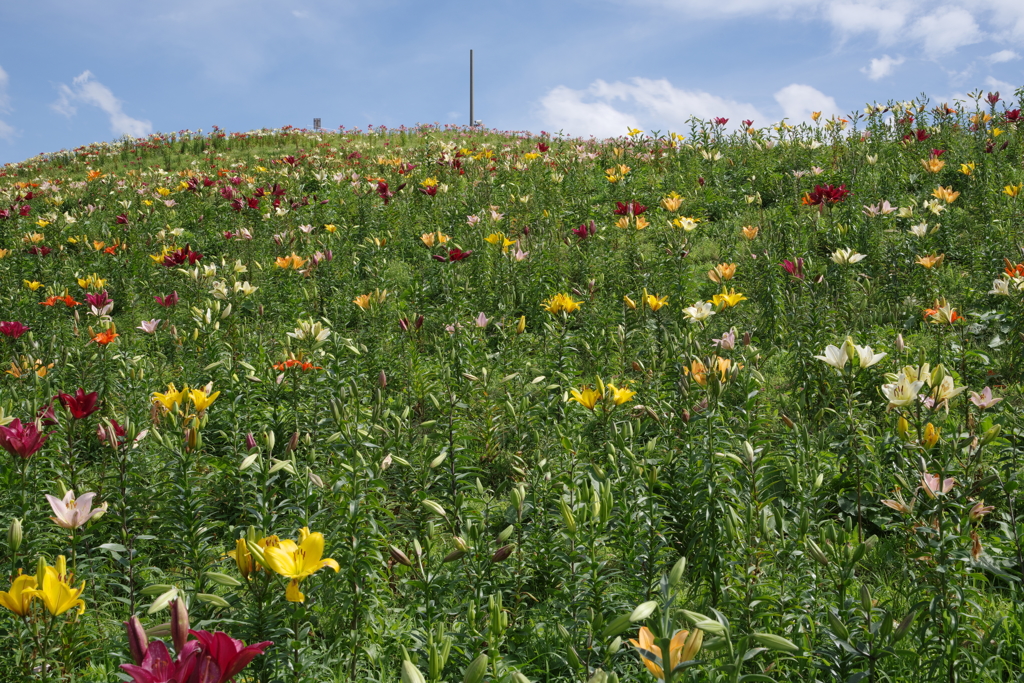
(167, 301)
(158, 667)
(23, 440)
(13, 329)
(629, 209)
(794, 269)
(455, 254)
(825, 194)
(81, 404)
(98, 300)
(223, 657)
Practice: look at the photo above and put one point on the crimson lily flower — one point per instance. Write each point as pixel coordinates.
(101, 433)
(825, 194)
(13, 329)
(45, 416)
(81, 404)
(167, 301)
(454, 255)
(99, 300)
(1013, 115)
(223, 657)
(794, 269)
(629, 209)
(158, 667)
(721, 121)
(22, 440)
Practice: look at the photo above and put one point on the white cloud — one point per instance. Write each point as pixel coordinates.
(1003, 86)
(1002, 56)
(86, 90)
(882, 67)
(648, 103)
(946, 30)
(564, 109)
(6, 130)
(798, 101)
(866, 18)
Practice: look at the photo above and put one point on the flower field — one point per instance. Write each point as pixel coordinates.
(437, 404)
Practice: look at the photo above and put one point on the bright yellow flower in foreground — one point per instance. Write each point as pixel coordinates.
(946, 194)
(94, 281)
(1013, 190)
(202, 399)
(750, 231)
(499, 238)
(728, 299)
(933, 165)
(297, 561)
(561, 303)
(362, 301)
(57, 594)
(683, 648)
(968, 168)
(19, 599)
(172, 398)
(587, 398)
(33, 285)
(432, 238)
(655, 303)
(620, 395)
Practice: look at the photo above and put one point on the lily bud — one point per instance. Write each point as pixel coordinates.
(382, 380)
(40, 570)
(503, 553)
(179, 624)
(293, 443)
(900, 345)
(521, 325)
(398, 556)
(902, 427)
(138, 642)
(250, 441)
(14, 535)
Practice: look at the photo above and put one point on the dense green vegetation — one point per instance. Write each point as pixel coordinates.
(535, 393)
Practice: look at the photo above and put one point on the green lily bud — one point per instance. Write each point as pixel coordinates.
(773, 642)
(434, 507)
(410, 674)
(677, 572)
(505, 533)
(990, 434)
(475, 671)
(14, 535)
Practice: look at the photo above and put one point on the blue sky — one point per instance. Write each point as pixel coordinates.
(75, 72)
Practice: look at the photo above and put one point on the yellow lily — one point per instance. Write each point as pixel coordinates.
(172, 398)
(297, 561)
(683, 648)
(620, 395)
(728, 299)
(559, 303)
(202, 399)
(654, 302)
(57, 594)
(243, 558)
(587, 398)
(19, 599)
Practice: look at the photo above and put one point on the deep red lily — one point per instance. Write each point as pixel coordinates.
(81, 404)
(794, 269)
(158, 667)
(825, 194)
(455, 254)
(99, 300)
(629, 209)
(167, 301)
(22, 440)
(224, 655)
(13, 329)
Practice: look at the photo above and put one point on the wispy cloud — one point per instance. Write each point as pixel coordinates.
(799, 101)
(1002, 56)
(882, 67)
(86, 90)
(645, 103)
(6, 129)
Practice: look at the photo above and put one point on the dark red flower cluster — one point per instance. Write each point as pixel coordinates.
(13, 329)
(825, 194)
(453, 255)
(585, 230)
(629, 209)
(179, 257)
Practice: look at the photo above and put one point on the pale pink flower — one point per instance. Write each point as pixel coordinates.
(984, 399)
(72, 513)
(170, 203)
(482, 320)
(931, 484)
(149, 326)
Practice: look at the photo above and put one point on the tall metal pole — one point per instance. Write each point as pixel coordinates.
(471, 119)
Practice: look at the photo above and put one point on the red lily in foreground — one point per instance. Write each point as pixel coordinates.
(22, 440)
(13, 329)
(81, 404)
(223, 657)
